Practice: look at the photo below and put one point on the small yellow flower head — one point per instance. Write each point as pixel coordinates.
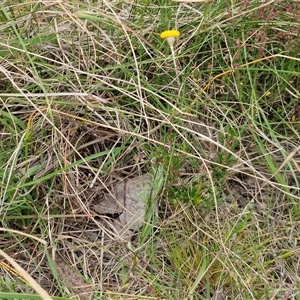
(170, 35)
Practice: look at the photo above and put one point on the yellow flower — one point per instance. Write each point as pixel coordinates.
(170, 33)
(170, 36)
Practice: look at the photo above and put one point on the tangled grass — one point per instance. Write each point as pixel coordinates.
(90, 95)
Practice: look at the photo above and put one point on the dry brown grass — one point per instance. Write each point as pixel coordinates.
(89, 96)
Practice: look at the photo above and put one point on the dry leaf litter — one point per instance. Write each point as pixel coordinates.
(128, 200)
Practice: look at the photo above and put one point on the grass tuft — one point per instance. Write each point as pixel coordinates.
(90, 95)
